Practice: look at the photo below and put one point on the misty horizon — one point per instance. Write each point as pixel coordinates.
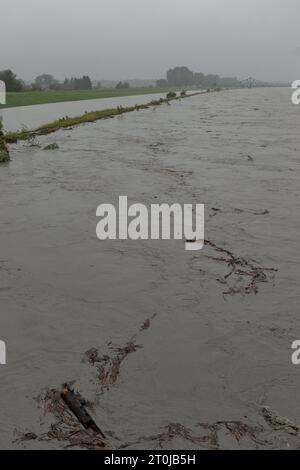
(137, 40)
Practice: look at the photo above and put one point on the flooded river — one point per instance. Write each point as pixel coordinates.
(209, 333)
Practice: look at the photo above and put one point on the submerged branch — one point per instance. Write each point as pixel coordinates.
(241, 267)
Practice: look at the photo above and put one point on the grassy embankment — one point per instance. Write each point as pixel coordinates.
(4, 152)
(29, 98)
(65, 122)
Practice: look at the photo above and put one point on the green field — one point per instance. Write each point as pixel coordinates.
(28, 98)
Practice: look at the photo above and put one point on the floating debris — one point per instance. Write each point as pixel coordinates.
(78, 407)
(109, 365)
(215, 211)
(53, 146)
(208, 436)
(279, 423)
(171, 95)
(73, 424)
(262, 212)
(240, 267)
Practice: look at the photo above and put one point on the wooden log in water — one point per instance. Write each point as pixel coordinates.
(74, 403)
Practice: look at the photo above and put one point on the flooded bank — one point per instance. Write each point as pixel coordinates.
(166, 344)
(31, 117)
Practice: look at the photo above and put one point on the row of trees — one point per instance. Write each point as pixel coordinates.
(48, 82)
(183, 76)
(177, 77)
(44, 82)
(121, 85)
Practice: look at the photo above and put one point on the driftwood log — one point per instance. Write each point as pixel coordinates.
(77, 407)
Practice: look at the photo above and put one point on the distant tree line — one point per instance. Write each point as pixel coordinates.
(48, 82)
(45, 82)
(183, 76)
(121, 85)
(83, 83)
(176, 77)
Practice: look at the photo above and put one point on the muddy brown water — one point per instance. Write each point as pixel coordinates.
(206, 357)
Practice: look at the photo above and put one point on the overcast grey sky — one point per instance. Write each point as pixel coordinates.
(116, 39)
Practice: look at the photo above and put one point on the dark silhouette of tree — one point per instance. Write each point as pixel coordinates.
(45, 81)
(83, 83)
(161, 83)
(122, 85)
(180, 76)
(11, 81)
